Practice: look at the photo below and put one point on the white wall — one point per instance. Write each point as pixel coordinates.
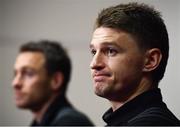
(71, 22)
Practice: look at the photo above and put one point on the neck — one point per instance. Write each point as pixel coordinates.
(38, 114)
(143, 86)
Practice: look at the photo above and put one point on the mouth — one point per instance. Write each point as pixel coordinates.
(18, 95)
(100, 77)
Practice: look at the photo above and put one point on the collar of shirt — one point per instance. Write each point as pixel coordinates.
(133, 107)
(52, 111)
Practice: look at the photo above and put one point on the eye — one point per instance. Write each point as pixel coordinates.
(93, 52)
(28, 73)
(111, 52)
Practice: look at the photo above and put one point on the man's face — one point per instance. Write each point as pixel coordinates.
(117, 62)
(31, 83)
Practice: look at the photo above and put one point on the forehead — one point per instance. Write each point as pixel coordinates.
(107, 33)
(30, 59)
(104, 35)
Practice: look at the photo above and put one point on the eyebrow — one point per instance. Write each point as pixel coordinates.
(106, 44)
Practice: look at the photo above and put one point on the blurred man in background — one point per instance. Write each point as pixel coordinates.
(41, 74)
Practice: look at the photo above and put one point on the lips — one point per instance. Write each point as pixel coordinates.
(100, 76)
(18, 95)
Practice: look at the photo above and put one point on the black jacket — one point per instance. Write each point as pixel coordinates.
(61, 113)
(147, 109)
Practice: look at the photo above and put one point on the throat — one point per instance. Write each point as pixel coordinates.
(38, 114)
(125, 97)
(116, 105)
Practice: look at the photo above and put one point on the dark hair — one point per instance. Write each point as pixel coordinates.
(144, 23)
(56, 58)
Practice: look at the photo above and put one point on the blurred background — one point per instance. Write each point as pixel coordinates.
(71, 23)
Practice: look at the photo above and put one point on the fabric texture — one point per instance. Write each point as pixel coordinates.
(147, 109)
(62, 113)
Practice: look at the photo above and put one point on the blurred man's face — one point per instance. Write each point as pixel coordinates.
(117, 63)
(31, 83)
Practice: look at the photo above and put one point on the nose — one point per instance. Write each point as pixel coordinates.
(17, 82)
(97, 62)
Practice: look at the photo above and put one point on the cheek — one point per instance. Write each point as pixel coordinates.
(38, 89)
(125, 69)
(33, 84)
(119, 66)
(30, 88)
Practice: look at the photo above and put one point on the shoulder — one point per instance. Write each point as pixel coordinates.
(70, 116)
(155, 116)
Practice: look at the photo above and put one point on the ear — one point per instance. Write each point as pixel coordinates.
(57, 81)
(152, 59)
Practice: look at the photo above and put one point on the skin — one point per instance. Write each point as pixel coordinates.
(118, 67)
(31, 84)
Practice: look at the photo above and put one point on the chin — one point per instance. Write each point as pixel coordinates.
(99, 92)
(21, 104)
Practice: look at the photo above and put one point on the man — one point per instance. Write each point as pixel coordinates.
(130, 52)
(41, 75)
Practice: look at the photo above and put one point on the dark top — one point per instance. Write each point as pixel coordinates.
(61, 113)
(147, 109)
